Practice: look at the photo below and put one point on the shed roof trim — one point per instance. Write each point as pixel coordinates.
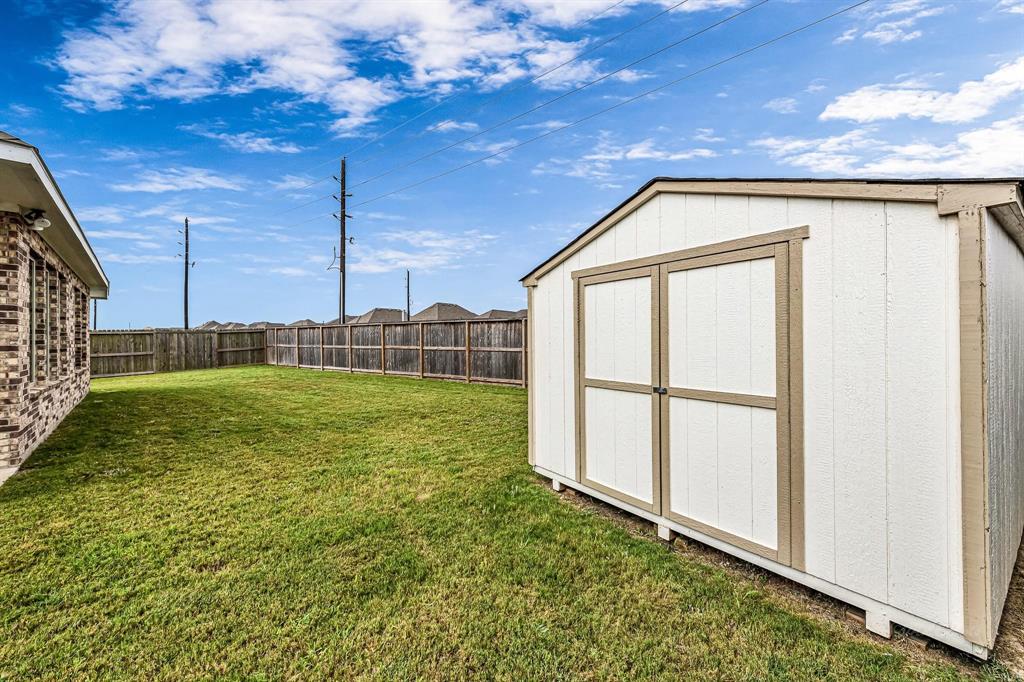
(935, 190)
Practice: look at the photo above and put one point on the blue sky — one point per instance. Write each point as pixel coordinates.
(224, 111)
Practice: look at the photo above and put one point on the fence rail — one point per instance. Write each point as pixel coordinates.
(117, 353)
(480, 351)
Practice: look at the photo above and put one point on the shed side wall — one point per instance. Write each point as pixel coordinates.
(1005, 330)
(881, 379)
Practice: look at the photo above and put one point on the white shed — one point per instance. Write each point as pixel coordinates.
(824, 378)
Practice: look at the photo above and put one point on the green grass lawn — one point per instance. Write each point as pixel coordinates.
(270, 523)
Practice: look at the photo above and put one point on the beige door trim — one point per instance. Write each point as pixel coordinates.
(582, 382)
(718, 250)
(785, 247)
(786, 402)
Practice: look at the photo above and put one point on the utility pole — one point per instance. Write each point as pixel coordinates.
(188, 265)
(408, 298)
(342, 241)
(95, 312)
(186, 273)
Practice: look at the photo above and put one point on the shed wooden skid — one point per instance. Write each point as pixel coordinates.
(825, 378)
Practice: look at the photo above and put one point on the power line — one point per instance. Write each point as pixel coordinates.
(562, 96)
(506, 91)
(623, 103)
(500, 94)
(439, 104)
(302, 205)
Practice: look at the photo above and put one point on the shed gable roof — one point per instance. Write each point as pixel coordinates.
(949, 194)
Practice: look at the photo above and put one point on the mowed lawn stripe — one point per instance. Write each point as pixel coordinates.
(269, 523)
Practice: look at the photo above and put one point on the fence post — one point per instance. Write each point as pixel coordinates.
(468, 373)
(526, 349)
(348, 335)
(382, 356)
(421, 350)
(297, 363)
(216, 348)
(152, 346)
(321, 349)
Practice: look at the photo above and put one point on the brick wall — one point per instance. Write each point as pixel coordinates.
(33, 403)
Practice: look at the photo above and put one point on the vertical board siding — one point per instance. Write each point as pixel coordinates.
(722, 326)
(857, 295)
(496, 349)
(916, 400)
(858, 399)
(819, 407)
(1005, 299)
(122, 353)
(618, 441)
(618, 330)
(723, 467)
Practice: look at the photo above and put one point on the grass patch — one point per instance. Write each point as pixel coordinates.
(268, 523)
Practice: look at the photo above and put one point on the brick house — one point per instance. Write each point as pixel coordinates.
(48, 274)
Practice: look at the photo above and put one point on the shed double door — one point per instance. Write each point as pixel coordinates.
(683, 392)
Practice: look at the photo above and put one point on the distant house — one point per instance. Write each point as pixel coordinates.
(49, 274)
(304, 323)
(264, 325)
(496, 314)
(443, 311)
(208, 326)
(380, 315)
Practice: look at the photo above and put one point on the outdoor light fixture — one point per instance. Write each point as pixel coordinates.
(36, 219)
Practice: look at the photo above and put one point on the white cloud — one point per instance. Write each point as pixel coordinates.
(102, 214)
(494, 151)
(561, 13)
(192, 49)
(177, 179)
(429, 250)
(21, 110)
(136, 258)
(972, 100)
(292, 182)
(248, 143)
(896, 22)
(73, 172)
(707, 135)
(989, 151)
(544, 125)
(118, 234)
(846, 36)
(1011, 6)
(284, 270)
(782, 105)
(838, 154)
(450, 125)
(597, 165)
(119, 154)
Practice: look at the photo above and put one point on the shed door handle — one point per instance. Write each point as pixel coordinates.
(660, 390)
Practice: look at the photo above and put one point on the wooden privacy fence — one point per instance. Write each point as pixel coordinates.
(116, 353)
(484, 351)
